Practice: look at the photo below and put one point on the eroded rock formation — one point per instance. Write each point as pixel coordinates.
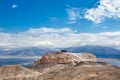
(60, 60)
(15, 71)
(62, 66)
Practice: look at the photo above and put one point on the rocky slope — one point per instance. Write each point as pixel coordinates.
(14, 72)
(85, 71)
(62, 66)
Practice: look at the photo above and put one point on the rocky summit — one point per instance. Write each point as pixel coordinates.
(65, 58)
(62, 66)
(59, 60)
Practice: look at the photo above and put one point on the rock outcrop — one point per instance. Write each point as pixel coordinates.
(62, 66)
(65, 58)
(85, 56)
(57, 57)
(16, 71)
(60, 60)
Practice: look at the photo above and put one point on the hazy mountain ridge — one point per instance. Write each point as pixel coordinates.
(99, 51)
(28, 51)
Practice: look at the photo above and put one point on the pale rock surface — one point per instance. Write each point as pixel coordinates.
(84, 56)
(12, 71)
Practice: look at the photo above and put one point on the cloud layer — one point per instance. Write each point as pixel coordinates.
(106, 9)
(54, 38)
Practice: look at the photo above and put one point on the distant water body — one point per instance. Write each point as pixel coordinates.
(115, 62)
(30, 60)
(17, 60)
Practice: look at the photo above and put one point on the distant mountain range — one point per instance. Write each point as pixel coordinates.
(99, 51)
(27, 51)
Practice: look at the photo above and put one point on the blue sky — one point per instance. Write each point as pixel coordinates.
(49, 13)
(68, 17)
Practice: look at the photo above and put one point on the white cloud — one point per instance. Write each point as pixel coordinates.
(106, 9)
(14, 6)
(55, 38)
(49, 30)
(73, 15)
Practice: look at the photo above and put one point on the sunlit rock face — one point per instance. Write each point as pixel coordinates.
(80, 72)
(60, 60)
(10, 72)
(85, 56)
(54, 61)
(65, 57)
(58, 57)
